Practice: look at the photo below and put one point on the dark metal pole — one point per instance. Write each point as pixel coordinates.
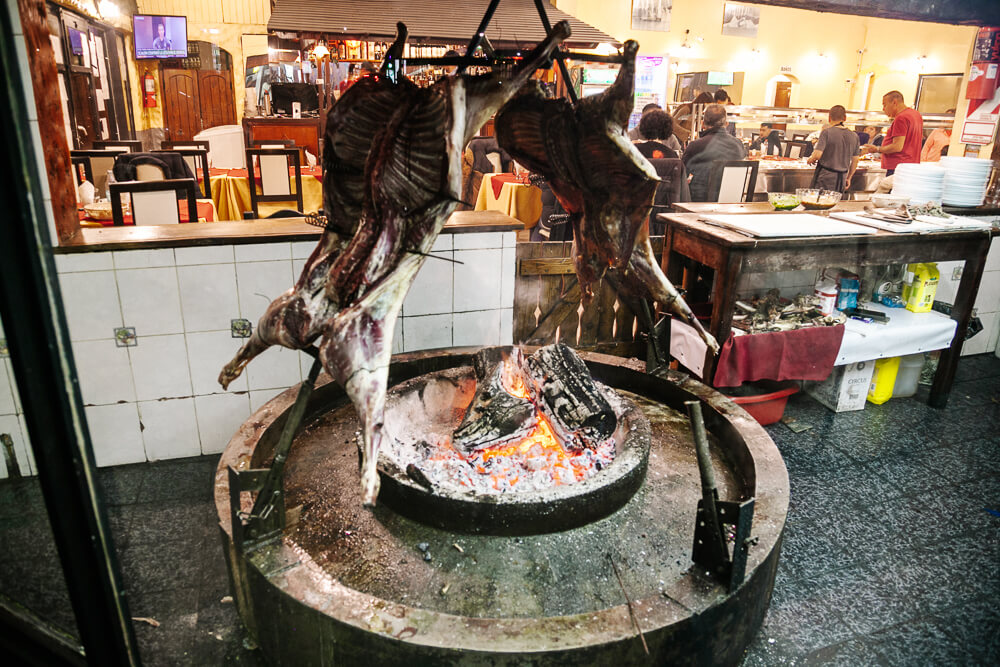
(30, 305)
(540, 6)
(477, 39)
(709, 492)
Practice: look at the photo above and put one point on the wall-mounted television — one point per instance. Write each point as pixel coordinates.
(720, 78)
(159, 36)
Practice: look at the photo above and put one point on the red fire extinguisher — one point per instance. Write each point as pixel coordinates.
(148, 90)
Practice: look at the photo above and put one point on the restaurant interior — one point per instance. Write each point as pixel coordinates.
(549, 332)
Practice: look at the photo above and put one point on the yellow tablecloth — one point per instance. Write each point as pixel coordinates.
(517, 200)
(231, 195)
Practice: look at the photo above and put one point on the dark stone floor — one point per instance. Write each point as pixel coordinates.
(890, 557)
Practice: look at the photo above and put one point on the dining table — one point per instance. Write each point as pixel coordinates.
(509, 194)
(206, 213)
(231, 192)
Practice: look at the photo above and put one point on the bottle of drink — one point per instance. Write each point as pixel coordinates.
(341, 51)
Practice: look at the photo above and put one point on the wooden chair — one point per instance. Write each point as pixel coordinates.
(797, 148)
(197, 159)
(129, 145)
(101, 162)
(154, 202)
(799, 137)
(81, 169)
(273, 143)
(271, 164)
(733, 181)
(188, 144)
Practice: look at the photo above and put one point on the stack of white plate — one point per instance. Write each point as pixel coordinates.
(922, 183)
(965, 180)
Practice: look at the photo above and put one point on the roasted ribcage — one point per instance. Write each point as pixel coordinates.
(601, 180)
(392, 160)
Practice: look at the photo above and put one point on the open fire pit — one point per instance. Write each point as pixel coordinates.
(475, 449)
(489, 582)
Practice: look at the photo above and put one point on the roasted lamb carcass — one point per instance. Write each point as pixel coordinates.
(392, 159)
(602, 181)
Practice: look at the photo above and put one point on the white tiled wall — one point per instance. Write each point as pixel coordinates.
(160, 399)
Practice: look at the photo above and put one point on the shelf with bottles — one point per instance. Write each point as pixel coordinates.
(815, 118)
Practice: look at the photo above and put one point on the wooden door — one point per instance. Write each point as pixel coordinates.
(218, 104)
(82, 101)
(782, 98)
(181, 104)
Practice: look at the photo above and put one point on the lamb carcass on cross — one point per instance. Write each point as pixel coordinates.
(602, 181)
(392, 160)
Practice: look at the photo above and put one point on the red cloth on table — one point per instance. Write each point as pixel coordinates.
(498, 180)
(205, 210)
(801, 354)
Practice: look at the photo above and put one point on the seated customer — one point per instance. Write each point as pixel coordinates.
(715, 144)
(657, 127)
(635, 134)
(771, 137)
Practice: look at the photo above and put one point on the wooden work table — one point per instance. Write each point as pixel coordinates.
(731, 253)
(250, 231)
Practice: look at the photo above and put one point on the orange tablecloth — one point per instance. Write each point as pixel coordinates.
(206, 213)
(512, 197)
(231, 192)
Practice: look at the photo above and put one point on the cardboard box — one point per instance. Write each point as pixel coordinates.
(847, 387)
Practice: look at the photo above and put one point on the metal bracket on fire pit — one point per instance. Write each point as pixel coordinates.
(267, 518)
(710, 549)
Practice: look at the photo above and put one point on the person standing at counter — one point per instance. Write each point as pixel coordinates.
(715, 144)
(905, 136)
(937, 143)
(836, 154)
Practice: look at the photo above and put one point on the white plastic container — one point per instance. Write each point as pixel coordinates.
(826, 290)
(908, 376)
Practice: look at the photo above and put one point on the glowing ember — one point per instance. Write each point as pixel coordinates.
(535, 462)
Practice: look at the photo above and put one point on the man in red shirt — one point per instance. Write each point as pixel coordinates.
(906, 134)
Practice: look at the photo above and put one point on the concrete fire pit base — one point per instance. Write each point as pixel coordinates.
(345, 585)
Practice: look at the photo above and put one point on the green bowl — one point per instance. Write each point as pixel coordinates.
(783, 201)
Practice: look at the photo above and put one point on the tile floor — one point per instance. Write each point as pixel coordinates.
(890, 557)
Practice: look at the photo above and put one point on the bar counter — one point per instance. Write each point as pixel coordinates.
(250, 231)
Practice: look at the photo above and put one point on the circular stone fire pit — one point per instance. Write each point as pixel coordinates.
(346, 585)
(430, 407)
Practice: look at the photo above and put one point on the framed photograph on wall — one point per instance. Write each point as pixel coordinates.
(739, 20)
(651, 15)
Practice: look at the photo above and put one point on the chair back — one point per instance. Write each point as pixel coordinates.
(187, 144)
(273, 143)
(797, 148)
(733, 181)
(101, 162)
(127, 145)
(154, 202)
(149, 172)
(197, 160)
(81, 169)
(671, 189)
(799, 137)
(271, 166)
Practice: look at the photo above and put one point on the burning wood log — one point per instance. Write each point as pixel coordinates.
(495, 416)
(566, 394)
(553, 382)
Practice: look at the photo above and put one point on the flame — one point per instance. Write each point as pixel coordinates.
(513, 380)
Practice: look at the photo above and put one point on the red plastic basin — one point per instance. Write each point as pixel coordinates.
(767, 407)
